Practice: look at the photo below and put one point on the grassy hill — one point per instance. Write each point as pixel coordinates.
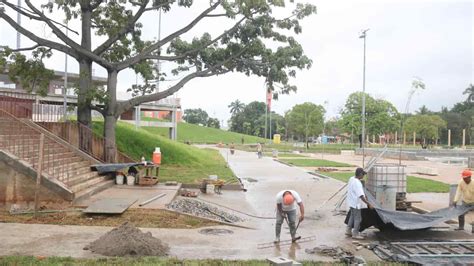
(180, 162)
(200, 134)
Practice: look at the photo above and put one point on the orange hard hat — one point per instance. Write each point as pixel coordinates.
(288, 199)
(466, 173)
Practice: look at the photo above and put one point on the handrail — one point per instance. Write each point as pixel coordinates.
(55, 163)
(31, 110)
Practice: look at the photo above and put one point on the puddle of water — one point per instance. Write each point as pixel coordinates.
(214, 231)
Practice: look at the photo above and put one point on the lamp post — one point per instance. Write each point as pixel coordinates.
(65, 81)
(363, 36)
(324, 130)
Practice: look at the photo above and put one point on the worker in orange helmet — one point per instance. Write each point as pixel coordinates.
(287, 201)
(465, 191)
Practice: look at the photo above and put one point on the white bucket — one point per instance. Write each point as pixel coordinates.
(119, 179)
(130, 180)
(209, 189)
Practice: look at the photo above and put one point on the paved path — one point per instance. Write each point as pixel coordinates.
(270, 177)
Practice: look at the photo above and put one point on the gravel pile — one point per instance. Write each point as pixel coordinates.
(202, 209)
(127, 240)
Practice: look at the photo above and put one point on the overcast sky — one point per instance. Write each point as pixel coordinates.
(432, 40)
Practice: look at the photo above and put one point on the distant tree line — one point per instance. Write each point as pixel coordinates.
(200, 117)
(306, 121)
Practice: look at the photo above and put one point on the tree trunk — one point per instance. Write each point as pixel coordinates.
(109, 134)
(110, 114)
(84, 116)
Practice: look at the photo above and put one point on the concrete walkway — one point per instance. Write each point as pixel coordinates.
(263, 179)
(259, 200)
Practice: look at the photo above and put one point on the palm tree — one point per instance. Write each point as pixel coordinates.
(236, 107)
(470, 93)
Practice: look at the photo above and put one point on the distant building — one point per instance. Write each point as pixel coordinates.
(50, 107)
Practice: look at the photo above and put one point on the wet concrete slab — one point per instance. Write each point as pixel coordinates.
(263, 178)
(138, 193)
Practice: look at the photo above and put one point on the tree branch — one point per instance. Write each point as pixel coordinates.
(178, 57)
(26, 48)
(210, 71)
(126, 29)
(43, 42)
(31, 15)
(97, 108)
(139, 57)
(96, 4)
(75, 46)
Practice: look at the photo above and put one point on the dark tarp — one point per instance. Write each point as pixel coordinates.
(383, 219)
(114, 167)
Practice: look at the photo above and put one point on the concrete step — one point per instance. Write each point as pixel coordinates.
(86, 193)
(78, 179)
(52, 155)
(70, 167)
(92, 181)
(77, 171)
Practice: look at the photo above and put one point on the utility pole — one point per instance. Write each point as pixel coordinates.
(363, 36)
(65, 81)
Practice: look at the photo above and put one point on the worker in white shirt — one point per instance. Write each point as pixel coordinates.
(356, 200)
(287, 202)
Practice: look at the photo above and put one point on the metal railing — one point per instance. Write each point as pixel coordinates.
(50, 117)
(22, 140)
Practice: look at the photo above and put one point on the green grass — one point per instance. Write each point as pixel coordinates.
(314, 163)
(414, 184)
(286, 155)
(417, 184)
(30, 260)
(199, 134)
(180, 162)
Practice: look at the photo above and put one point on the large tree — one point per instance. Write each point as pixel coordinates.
(426, 126)
(305, 120)
(196, 116)
(236, 106)
(381, 116)
(247, 121)
(256, 43)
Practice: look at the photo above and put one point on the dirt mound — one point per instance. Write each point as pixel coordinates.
(127, 240)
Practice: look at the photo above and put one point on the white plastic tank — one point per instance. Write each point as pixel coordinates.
(386, 196)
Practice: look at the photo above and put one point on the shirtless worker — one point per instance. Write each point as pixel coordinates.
(287, 200)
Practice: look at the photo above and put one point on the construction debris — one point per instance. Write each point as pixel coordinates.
(337, 253)
(202, 209)
(188, 193)
(127, 240)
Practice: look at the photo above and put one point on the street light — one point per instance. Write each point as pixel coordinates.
(363, 36)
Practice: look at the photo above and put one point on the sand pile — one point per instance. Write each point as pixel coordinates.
(127, 240)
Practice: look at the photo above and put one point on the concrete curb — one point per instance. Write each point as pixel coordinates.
(287, 164)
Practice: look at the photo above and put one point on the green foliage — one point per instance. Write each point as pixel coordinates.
(414, 184)
(305, 120)
(249, 121)
(213, 122)
(180, 162)
(426, 126)
(196, 116)
(236, 107)
(141, 261)
(381, 116)
(31, 73)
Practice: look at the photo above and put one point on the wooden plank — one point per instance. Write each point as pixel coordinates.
(110, 206)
